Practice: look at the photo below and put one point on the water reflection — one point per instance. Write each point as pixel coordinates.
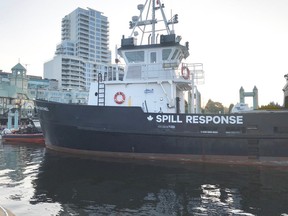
(19, 165)
(38, 182)
(85, 186)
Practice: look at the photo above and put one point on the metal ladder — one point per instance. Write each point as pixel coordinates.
(101, 91)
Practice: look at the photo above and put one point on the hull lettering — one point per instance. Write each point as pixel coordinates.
(201, 119)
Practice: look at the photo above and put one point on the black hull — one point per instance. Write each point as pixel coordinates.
(259, 138)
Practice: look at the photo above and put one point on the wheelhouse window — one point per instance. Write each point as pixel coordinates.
(135, 56)
(153, 57)
(174, 54)
(166, 53)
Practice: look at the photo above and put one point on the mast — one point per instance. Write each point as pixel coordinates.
(149, 17)
(153, 24)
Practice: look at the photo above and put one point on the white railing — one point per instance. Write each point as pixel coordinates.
(192, 72)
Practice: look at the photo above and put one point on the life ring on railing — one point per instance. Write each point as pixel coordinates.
(185, 72)
(119, 97)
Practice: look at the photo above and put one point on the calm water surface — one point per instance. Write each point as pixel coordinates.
(34, 181)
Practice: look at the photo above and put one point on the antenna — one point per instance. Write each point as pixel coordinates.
(26, 66)
(151, 21)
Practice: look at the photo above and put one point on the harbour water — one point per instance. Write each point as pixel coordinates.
(35, 181)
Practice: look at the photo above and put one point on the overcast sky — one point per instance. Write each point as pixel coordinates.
(240, 42)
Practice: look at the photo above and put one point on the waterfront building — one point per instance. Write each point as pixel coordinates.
(19, 90)
(14, 92)
(83, 52)
(72, 96)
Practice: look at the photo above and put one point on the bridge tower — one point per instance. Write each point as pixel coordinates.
(253, 94)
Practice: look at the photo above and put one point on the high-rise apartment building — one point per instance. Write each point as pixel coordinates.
(85, 33)
(83, 52)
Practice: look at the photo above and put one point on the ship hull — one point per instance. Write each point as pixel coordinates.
(128, 132)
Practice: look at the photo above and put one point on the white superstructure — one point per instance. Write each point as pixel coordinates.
(155, 77)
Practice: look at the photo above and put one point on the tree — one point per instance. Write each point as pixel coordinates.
(230, 108)
(271, 106)
(214, 107)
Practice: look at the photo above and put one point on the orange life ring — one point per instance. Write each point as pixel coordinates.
(119, 97)
(185, 72)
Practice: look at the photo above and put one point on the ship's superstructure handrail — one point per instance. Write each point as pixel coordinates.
(138, 72)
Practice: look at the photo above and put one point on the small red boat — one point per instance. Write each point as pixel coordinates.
(36, 138)
(30, 134)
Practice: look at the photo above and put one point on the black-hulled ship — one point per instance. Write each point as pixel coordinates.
(151, 111)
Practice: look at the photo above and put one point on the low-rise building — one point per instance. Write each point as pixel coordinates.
(19, 90)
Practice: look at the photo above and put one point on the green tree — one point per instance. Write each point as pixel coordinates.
(271, 106)
(214, 107)
(230, 108)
